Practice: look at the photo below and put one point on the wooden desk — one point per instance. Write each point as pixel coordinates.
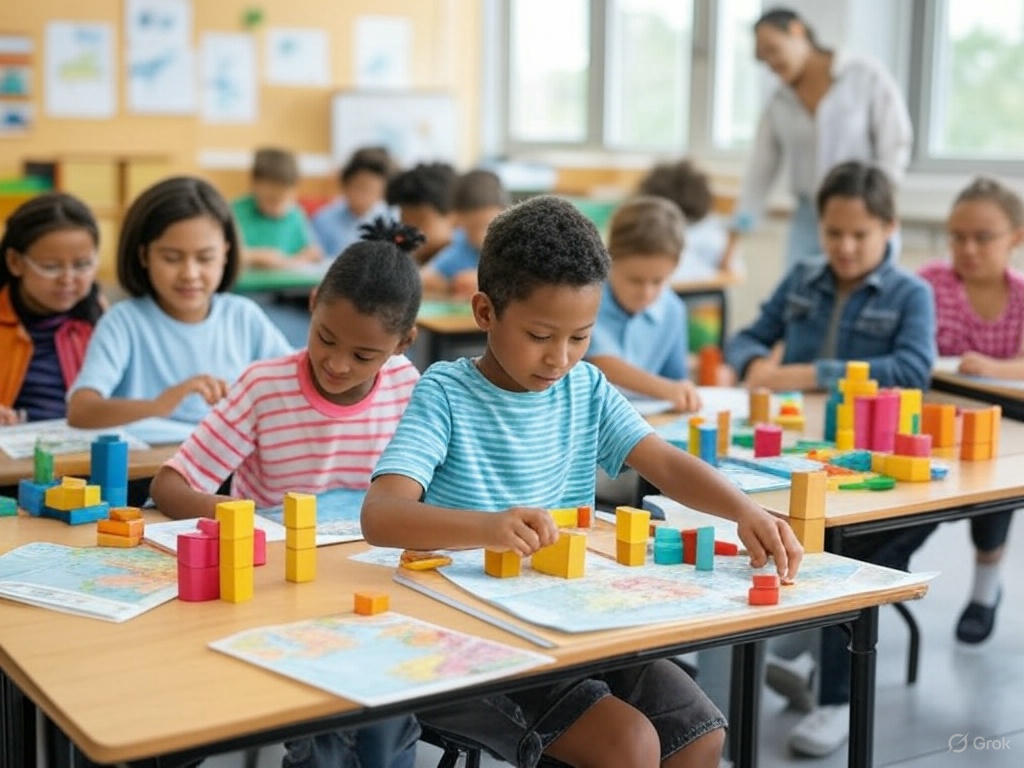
(140, 464)
(1010, 399)
(447, 334)
(151, 686)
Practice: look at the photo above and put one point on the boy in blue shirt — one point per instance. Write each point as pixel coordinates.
(478, 197)
(423, 197)
(855, 304)
(486, 446)
(640, 340)
(362, 181)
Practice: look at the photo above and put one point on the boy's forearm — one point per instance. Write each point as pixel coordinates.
(622, 374)
(395, 521)
(99, 412)
(175, 498)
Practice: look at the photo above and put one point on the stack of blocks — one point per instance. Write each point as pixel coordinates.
(300, 537)
(572, 517)
(791, 415)
(371, 603)
(767, 440)
(631, 530)
(32, 493)
(765, 590)
(503, 564)
(760, 406)
(565, 558)
(236, 521)
(709, 362)
(199, 577)
(109, 469)
(979, 439)
(910, 411)
(123, 528)
(668, 546)
(855, 384)
(910, 461)
(807, 509)
(74, 502)
(876, 420)
(939, 421)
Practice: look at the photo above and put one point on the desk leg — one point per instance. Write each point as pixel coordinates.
(863, 656)
(745, 703)
(17, 725)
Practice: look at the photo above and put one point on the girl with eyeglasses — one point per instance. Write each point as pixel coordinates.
(979, 306)
(49, 303)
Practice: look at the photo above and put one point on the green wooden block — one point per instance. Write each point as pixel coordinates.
(8, 506)
(43, 465)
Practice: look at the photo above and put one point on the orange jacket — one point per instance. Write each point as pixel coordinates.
(16, 351)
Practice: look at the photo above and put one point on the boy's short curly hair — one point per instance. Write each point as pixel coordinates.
(542, 241)
(682, 183)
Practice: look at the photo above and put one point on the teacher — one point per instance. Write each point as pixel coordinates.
(828, 108)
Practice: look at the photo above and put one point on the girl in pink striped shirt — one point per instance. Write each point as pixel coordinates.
(979, 303)
(314, 420)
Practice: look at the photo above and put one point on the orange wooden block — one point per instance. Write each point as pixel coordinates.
(114, 540)
(370, 603)
(976, 451)
(707, 371)
(760, 406)
(977, 427)
(939, 421)
(130, 528)
(724, 425)
(997, 417)
(583, 517)
(125, 513)
(502, 565)
(760, 596)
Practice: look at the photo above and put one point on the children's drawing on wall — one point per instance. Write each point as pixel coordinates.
(160, 61)
(229, 78)
(80, 70)
(297, 56)
(382, 45)
(15, 84)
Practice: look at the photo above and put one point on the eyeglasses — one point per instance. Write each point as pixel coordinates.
(980, 238)
(78, 268)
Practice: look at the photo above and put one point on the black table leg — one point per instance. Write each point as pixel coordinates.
(745, 703)
(17, 725)
(863, 656)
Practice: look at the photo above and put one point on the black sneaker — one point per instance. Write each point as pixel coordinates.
(977, 621)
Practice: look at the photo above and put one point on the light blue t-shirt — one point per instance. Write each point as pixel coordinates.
(138, 350)
(473, 445)
(336, 227)
(655, 339)
(458, 256)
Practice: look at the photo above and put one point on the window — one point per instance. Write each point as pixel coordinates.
(647, 73)
(977, 89)
(738, 78)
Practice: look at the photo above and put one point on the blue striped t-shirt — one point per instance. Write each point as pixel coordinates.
(473, 445)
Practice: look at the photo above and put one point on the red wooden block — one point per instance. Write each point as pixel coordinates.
(198, 550)
(707, 370)
(196, 585)
(583, 517)
(726, 548)
(863, 416)
(913, 445)
(259, 547)
(759, 596)
(690, 546)
(209, 526)
(766, 580)
(767, 440)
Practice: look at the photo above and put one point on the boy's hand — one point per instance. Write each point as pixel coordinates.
(764, 535)
(210, 388)
(523, 530)
(684, 396)
(8, 416)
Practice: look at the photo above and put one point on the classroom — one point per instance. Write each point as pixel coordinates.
(511, 382)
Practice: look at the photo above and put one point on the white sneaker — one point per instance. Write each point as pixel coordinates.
(792, 678)
(821, 732)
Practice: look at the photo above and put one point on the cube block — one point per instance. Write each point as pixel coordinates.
(209, 526)
(766, 580)
(32, 496)
(913, 445)
(939, 421)
(910, 469)
(299, 510)
(8, 506)
(129, 528)
(299, 564)
(236, 553)
(844, 439)
(565, 558)
(631, 554)
(727, 548)
(502, 565)
(631, 524)
(370, 603)
(976, 451)
(565, 518)
(977, 427)
(807, 494)
(236, 519)
(236, 584)
(116, 540)
(300, 538)
(197, 585)
(857, 370)
(125, 513)
(910, 406)
(810, 533)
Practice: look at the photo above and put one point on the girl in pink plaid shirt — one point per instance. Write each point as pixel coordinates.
(979, 309)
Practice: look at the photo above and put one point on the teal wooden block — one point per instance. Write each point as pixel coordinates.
(668, 554)
(706, 548)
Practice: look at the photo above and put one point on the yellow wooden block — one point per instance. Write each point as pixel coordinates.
(565, 518)
(790, 422)
(502, 565)
(299, 510)
(910, 469)
(844, 416)
(56, 498)
(299, 564)
(844, 439)
(116, 540)
(854, 389)
(369, 603)
(631, 524)
(73, 482)
(857, 370)
(125, 513)
(878, 461)
(130, 528)
(236, 553)
(564, 558)
(810, 533)
(236, 584)
(693, 442)
(760, 406)
(976, 451)
(300, 538)
(807, 495)
(997, 417)
(631, 554)
(81, 496)
(236, 518)
(910, 406)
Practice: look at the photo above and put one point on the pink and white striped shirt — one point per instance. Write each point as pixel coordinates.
(277, 433)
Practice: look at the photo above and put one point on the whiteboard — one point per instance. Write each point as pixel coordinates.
(415, 126)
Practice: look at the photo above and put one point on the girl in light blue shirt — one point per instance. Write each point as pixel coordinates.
(174, 347)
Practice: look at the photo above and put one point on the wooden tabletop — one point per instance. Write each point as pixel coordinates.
(143, 463)
(151, 685)
(449, 324)
(983, 388)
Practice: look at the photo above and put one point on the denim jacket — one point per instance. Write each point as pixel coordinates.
(888, 321)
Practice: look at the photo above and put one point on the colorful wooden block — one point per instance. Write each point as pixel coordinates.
(765, 580)
(130, 528)
(631, 524)
(565, 518)
(807, 494)
(913, 445)
(976, 451)
(631, 554)
(910, 406)
(79, 516)
(756, 596)
(300, 538)
(8, 506)
(705, 548)
(689, 537)
(73, 482)
(885, 419)
(724, 426)
(42, 465)
(108, 468)
(72, 495)
(236, 518)
(237, 553)
(370, 603)
(693, 443)
(666, 533)
(767, 440)
(116, 540)
(259, 547)
(299, 510)
(810, 533)
(726, 548)
(844, 439)
(565, 558)
(878, 462)
(844, 416)
(708, 443)
(198, 550)
(506, 564)
(863, 415)
(236, 584)
(299, 564)
(668, 552)
(583, 517)
(125, 513)
(32, 496)
(760, 406)
(909, 469)
(196, 585)
(857, 370)
(997, 418)
(939, 421)
(977, 427)
(209, 526)
(709, 361)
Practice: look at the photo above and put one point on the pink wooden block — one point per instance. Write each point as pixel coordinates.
(913, 445)
(863, 415)
(209, 526)
(198, 550)
(259, 547)
(767, 440)
(196, 585)
(885, 421)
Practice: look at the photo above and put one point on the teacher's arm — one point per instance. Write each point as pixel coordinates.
(891, 130)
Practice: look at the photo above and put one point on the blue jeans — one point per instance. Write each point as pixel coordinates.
(388, 744)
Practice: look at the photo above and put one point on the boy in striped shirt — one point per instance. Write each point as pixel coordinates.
(486, 446)
(314, 420)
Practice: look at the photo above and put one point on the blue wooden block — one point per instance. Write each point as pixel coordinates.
(709, 443)
(830, 415)
(668, 554)
(8, 506)
(78, 516)
(657, 513)
(109, 469)
(706, 548)
(32, 496)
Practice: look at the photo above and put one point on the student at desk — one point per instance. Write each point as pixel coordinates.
(362, 180)
(423, 196)
(979, 305)
(314, 420)
(486, 446)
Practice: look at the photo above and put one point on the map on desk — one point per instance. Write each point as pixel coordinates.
(378, 659)
(99, 582)
(57, 437)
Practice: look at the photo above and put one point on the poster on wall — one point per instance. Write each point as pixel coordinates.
(15, 84)
(382, 45)
(297, 57)
(228, 78)
(79, 70)
(159, 58)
